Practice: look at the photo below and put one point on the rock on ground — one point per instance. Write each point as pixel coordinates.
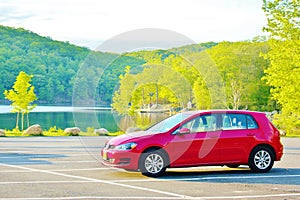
(101, 131)
(2, 133)
(35, 129)
(74, 131)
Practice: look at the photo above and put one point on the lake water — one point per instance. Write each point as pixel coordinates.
(82, 117)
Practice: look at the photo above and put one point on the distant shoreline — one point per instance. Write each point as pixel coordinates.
(4, 109)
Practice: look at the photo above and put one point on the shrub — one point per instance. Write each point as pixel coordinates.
(90, 129)
(54, 131)
(14, 132)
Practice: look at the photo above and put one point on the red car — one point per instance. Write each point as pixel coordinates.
(198, 138)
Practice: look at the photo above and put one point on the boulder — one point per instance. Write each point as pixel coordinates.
(35, 129)
(2, 133)
(73, 131)
(101, 131)
(133, 129)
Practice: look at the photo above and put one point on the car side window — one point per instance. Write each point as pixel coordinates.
(202, 123)
(234, 121)
(238, 121)
(251, 123)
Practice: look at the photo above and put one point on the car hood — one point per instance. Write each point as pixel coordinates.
(128, 137)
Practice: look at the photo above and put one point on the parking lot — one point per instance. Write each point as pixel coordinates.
(69, 168)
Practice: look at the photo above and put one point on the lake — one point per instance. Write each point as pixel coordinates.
(82, 117)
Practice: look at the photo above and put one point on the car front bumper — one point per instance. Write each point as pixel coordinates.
(120, 159)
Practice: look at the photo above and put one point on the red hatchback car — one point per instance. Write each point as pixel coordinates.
(198, 138)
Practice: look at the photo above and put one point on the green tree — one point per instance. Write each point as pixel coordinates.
(241, 68)
(21, 96)
(123, 96)
(283, 75)
(202, 95)
(283, 18)
(159, 83)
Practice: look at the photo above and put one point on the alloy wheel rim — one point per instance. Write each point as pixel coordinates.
(154, 163)
(262, 159)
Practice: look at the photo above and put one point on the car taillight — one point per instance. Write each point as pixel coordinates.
(276, 133)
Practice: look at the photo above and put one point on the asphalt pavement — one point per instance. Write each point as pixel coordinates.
(43, 168)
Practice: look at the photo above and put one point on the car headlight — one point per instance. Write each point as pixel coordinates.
(127, 146)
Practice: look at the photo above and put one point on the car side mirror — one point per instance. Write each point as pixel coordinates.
(184, 131)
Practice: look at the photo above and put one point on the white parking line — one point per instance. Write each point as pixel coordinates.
(118, 183)
(205, 178)
(250, 196)
(56, 170)
(41, 155)
(147, 180)
(93, 197)
(163, 198)
(86, 169)
(97, 180)
(74, 161)
(41, 161)
(42, 182)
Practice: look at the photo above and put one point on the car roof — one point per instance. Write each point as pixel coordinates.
(216, 111)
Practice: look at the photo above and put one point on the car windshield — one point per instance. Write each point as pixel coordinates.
(169, 123)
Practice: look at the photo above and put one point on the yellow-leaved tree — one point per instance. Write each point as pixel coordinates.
(21, 95)
(283, 75)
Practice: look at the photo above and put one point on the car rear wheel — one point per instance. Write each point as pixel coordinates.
(153, 163)
(261, 159)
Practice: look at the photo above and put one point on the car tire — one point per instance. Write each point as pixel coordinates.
(153, 163)
(261, 159)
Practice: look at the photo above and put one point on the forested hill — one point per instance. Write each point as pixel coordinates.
(193, 48)
(57, 70)
(54, 65)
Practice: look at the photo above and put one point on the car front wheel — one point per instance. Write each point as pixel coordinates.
(153, 163)
(261, 159)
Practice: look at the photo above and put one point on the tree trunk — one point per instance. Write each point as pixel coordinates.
(22, 121)
(236, 95)
(156, 95)
(17, 122)
(27, 120)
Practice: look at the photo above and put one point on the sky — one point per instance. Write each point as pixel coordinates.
(91, 23)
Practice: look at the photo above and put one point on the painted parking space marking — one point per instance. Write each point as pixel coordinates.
(96, 197)
(57, 170)
(285, 173)
(23, 155)
(162, 198)
(98, 181)
(42, 182)
(114, 182)
(143, 180)
(42, 162)
(205, 178)
(250, 196)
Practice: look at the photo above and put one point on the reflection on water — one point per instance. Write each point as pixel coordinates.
(96, 118)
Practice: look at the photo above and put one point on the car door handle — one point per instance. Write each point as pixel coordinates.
(250, 134)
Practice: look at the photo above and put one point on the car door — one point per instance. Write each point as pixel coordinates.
(235, 139)
(198, 146)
